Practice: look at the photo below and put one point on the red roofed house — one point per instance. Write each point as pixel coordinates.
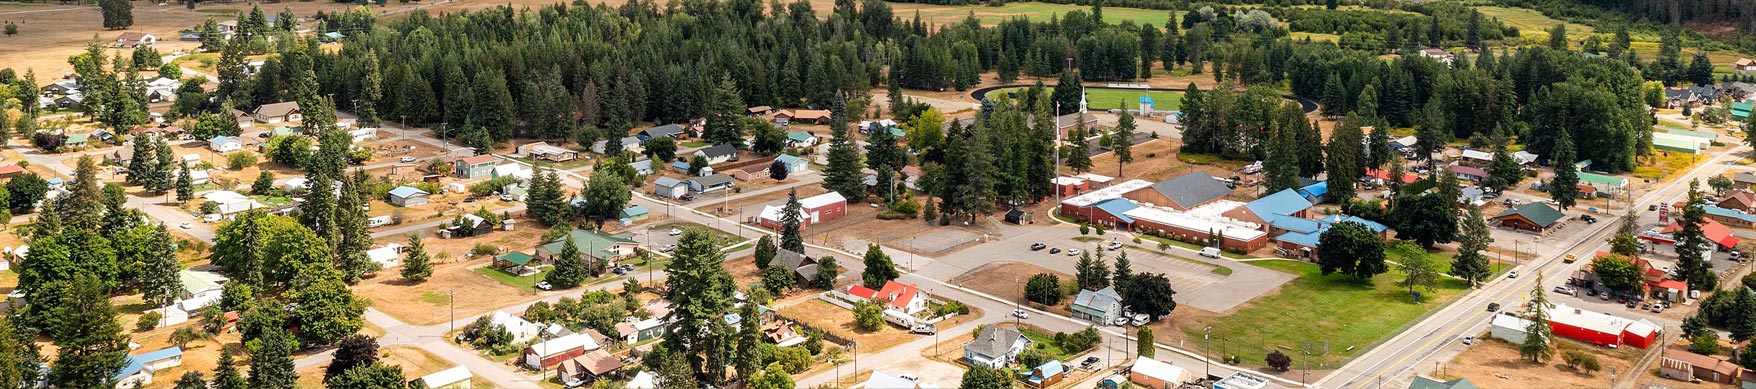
(903, 297)
(10, 170)
(1384, 175)
(1718, 233)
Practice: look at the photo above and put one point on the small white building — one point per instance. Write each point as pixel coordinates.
(1508, 328)
(364, 134)
(232, 202)
(454, 378)
(554, 351)
(388, 256)
(521, 330)
(670, 187)
(224, 144)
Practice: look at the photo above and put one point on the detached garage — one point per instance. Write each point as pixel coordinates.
(812, 210)
(1153, 373)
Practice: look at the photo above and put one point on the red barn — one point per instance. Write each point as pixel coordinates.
(1600, 328)
(554, 351)
(812, 210)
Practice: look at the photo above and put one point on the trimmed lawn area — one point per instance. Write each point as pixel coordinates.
(1191, 246)
(1318, 308)
(557, 165)
(693, 144)
(526, 283)
(1045, 342)
(273, 201)
(1107, 98)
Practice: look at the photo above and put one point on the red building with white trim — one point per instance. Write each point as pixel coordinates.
(812, 210)
(1600, 328)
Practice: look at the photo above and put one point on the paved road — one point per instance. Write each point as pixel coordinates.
(1395, 361)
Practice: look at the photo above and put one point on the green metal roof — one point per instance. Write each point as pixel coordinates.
(593, 243)
(1602, 179)
(1674, 144)
(1429, 383)
(1538, 213)
(516, 258)
(78, 138)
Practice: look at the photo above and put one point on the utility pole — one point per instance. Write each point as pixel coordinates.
(453, 295)
(1206, 351)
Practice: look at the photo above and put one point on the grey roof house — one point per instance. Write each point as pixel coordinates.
(804, 268)
(1099, 306)
(670, 130)
(717, 154)
(995, 347)
(710, 183)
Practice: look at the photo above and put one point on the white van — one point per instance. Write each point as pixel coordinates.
(1210, 252)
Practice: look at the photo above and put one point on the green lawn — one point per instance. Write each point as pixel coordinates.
(947, 14)
(1107, 98)
(694, 144)
(1045, 342)
(725, 239)
(1319, 308)
(1444, 259)
(557, 165)
(273, 201)
(1529, 21)
(527, 283)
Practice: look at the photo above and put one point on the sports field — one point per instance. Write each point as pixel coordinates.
(1107, 98)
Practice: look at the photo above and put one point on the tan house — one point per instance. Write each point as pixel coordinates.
(285, 111)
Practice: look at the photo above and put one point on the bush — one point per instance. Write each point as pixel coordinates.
(1580, 360)
(240, 159)
(1084, 229)
(483, 249)
(868, 316)
(1137, 240)
(956, 307)
(148, 321)
(1043, 288)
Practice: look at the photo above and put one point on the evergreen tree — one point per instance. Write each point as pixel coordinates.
(1564, 187)
(19, 355)
(417, 267)
(790, 238)
(545, 199)
(264, 184)
(1334, 101)
(749, 344)
(271, 362)
(185, 185)
(90, 346)
(191, 380)
(1092, 275)
(843, 173)
(1537, 332)
(1123, 272)
(765, 251)
(371, 91)
(1504, 172)
(879, 269)
(1558, 37)
(1283, 160)
(226, 376)
(1075, 152)
(1344, 162)
(701, 291)
(569, 270)
(118, 14)
(353, 351)
(1473, 239)
(1122, 141)
(160, 284)
(1692, 244)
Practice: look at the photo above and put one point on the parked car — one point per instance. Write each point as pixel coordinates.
(1140, 319)
(924, 329)
(1073, 252)
(1563, 289)
(1056, 250)
(1467, 340)
(668, 248)
(1089, 362)
(1020, 313)
(1658, 309)
(675, 232)
(407, 159)
(1116, 245)
(1038, 246)
(1210, 252)
(186, 225)
(1512, 274)
(544, 285)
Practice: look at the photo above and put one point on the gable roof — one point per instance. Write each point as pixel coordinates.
(1100, 299)
(1284, 202)
(407, 192)
(789, 159)
(667, 182)
(1190, 190)
(1745, 177)
(712, 180)
(1470, 171)
(664, 130)
(899, 293)
(1117, 207)
(994, 341)
(821, 200)
(477, 159)
(1538, 213)
(719, 150)
(591, 243)
(799, 136)
(516, 258)
(277, 109)
(791, 259)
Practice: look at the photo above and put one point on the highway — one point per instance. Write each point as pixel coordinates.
(1396, 361)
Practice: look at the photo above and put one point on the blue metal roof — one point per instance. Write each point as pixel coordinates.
(1116, 207)
(1284, 202)
(1050, 368)
(1308, 239)
(138, 362)
(789, 159)
(1318, 189)
(635, 210)
(1144, 99)
(406, 192)
(1295, 224)
(1723, 212)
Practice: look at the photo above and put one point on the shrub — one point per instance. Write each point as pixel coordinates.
(483, 249)
(1084, 229)
(1043, 288)
(148, 321)
(240, 159)
(1137, 240)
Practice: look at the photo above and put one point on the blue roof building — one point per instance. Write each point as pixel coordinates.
(1317, 193)
(1047, 374)
(794, 164)
(1730, 217)
(1116, 207)
(1302, 244)
(1283, 209)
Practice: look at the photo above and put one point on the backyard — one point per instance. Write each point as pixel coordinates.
(1350, 315)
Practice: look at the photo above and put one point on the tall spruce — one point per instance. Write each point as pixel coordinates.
(790, 238)
(1692, 244)
(843, 173)
(1536, 345)
(1344, 162)
(417, 267)
(1473, 239)
(1564, 187)
(700, 289)
(91, 348)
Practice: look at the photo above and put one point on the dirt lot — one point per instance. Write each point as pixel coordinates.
(413, 361)
(1493, 363)
(417, 303)
(1003, 279)
(840, 321)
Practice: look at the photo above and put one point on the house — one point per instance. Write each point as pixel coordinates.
(1477, 158)
(710, 183)
(1533, 217)
(633, 213)
(596, 246)
(62, 87)
(1684, 365)
(669, 130)
(244, 119)
(132, 39)
(1607, 186)
(792, 163)
(286, 111)
(1744, 65)
(546, 152)
(812, 210)
(1047, 374)
(8, 171)
(1153, 373)
(1716, 232)
(805, 268)
(1601, 328)
(388, 256)
(77, 140)
(457, 377)
(1744, 181)
(897, 296)
(759, 110)
(513, 259)
(1301, 240)
(1099, 306)
(995, 347)
(71, 102)
(814, 116)
(1730, 217)
(363, 134)
(1016, 216)
(511, 170)
(473, 167)
(196, 177)
(1508, 328)
(408, 196)
(1470, 173)
(224, 144)
(1438, 55)
(801, 139)
(718, 154)
(629, 144)
(1741, 200)
(669, 187)
(1422, 382)
(552, 352)
(584, 369)
(1383, 176)
(642, 167)
(881, 380)
(232, 202)
(641, 331)
(1182, 193)
(139, 369)
(200, 288)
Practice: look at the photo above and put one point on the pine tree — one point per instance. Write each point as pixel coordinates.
(546, 201)
(790, 239)
(1344, 163)
(356, 239)
(702, 291)
(371, 91)
(569, 270)
(1068, 91)
(1283, 158)
(1122, 141)
(879, 269)
(140, 165)
(191, 380)
(91, 347)
(271, 364)
(1075, 152)
(185, 185)
(843, 173)
(1564, 187)
(417, 266)
(225, 376)
(1091, 274)
(160, 283)
(19, 355)
(765, 251)
(1334, 102)
(118, 14)
(1692, 243)
(1473, 239)
(1537, 333)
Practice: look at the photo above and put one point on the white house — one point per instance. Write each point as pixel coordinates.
(717, 154)
(1508, 328)
(521, 330)
(454, 378)
(669, 187)
(388, 256)
(286, 111)
(995, 347)
(232, 202)
(898, 296)
(363, 134)
(1099, 306)
(224, 144)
